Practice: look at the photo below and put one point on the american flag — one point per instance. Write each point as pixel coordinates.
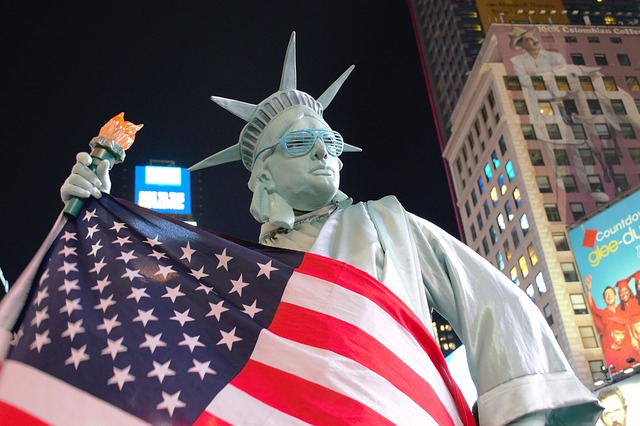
(133, 317)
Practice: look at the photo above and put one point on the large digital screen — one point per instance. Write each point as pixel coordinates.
(606, 247)
(163, 189)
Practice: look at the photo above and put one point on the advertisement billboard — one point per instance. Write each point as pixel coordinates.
(621, 402)
(606, 247)
(163, 189)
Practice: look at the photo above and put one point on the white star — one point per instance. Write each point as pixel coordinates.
(145, 316)
(153, 242)
(117, 226)
(44, 276)
(114, 347)
(105, 303)
(126, 256)
(216, 309)
(266, 269)
(173, 293)
(157, 254)
(41, 295)
(122, 241)
(73, 328)
(97, 267)
(41, 340)
(170, 402)
(68, 251)
(101, 284)
(251, 310)
(152, 342)
(77, 356)
(190, 341)
(109, 324)
(228, 338)
(138, 293)
(95, 248)
(16, 337)
(131, 274)
(89, 215)
(187, 252)
(70, 306)
(161, 370)
(238, 285)
(69, 285)
(223, 260)
(204, 288)
(68, 267)
(201, 368)
(91, 230)
(69, 236)
(121, 376)
(40, 316)
(199, 273)
(182, 317)
(164, 271)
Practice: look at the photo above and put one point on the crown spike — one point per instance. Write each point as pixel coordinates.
(289, 79)
(240, 109)
(328, 95)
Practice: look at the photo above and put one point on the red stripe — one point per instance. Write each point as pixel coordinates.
(321, 331)
(10, 415)
(355, 280)
(208, 419)
(302, 399)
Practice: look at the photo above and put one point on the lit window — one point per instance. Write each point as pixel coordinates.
(514, 274)
(578, 303)
(537, 81)
(487, 171)
(545, 108)
(494, 196)
(533, 257)
(481, 185)
(502, 225)
(562, 83)
(523, 266)
(531, 292)
(511, 173)
(507, 249)
(610, 83)
(517, 198)
(512, 82)
(633, 83)
(495, 160)
(524, 224)
(586, 83)
(500, 260)
(542, 286)
(508, 211)
(503, 186)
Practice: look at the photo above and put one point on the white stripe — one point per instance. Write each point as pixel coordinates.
(239, 408)
(342, 375)
(55, 401)
(330, 299)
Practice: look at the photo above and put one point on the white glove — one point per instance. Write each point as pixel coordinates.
(84, 182)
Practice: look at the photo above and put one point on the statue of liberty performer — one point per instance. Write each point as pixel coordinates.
(293, 155)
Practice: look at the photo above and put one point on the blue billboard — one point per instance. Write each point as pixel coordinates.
(163, 189)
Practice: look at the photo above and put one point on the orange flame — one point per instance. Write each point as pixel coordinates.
(121, 132)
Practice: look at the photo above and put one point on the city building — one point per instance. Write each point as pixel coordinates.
(534, 150)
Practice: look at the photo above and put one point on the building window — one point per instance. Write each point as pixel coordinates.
(508, 211)
(491, 98)
(571, 39)
(484, 113)
(524, 224)
(586, 83)
(570, 106)
(633, 83)
(513, 273)
(512, 82)
(623, 59)
(587, 157)
(533, 256)
(480, 185)
(487, 210)
(522, 262)
(494, 195)
(578, 131)
(611, 156)
(554, 131)
(515, 237)
(538, 82)
(594, 106)
(485, 245)
(627, 131)
(588, 336)
(495, 160)
(562, 159)
(601, 59)
(502, 225)
(552, 212)
(578, 303)
(569, 182)
(603, 131)
(578, 210)
(618, 107)
(511, 173)
(480, 221)
(528, 131)
(635, 155)
(610, 83)
(597, 370)
(531, 292)
(503, 186)
(503, 145)
(536, 157)
(507, 250)
(595, 183)
(544, 186)
(569, 271)
(562, 83)
(577, 59)
(547, 314)
(500, 260)
(593, 39)
(467, 208)
(616, 40)
(474, 197)
(560, 240)
(621, 182)
(494, 234)
(517, 197)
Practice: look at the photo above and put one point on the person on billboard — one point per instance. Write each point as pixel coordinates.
(615, 407)
(628, 301)
(602, 316)
(292, 155)
(621, 349)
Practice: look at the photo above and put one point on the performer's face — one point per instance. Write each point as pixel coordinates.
(609, 296)
(618, 336)
(310, 181)
(614, 413)
(625, 294)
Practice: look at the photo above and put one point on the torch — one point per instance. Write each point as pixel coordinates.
(115, 137)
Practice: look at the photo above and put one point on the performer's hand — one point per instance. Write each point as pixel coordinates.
(588, 282)
(83, 182)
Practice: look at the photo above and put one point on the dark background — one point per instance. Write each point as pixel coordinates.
(71, 66)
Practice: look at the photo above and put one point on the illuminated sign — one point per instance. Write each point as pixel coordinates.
(163, 189)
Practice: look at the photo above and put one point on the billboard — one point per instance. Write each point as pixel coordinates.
(163, 189)
(621, 403)
(607, 252)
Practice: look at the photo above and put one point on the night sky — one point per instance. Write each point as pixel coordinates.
(69, 69)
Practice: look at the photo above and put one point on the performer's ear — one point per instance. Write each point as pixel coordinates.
(269, 206)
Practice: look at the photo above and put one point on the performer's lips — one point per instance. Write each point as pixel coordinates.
(322, 171)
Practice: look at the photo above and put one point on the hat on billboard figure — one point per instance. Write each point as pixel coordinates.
(516, 35)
